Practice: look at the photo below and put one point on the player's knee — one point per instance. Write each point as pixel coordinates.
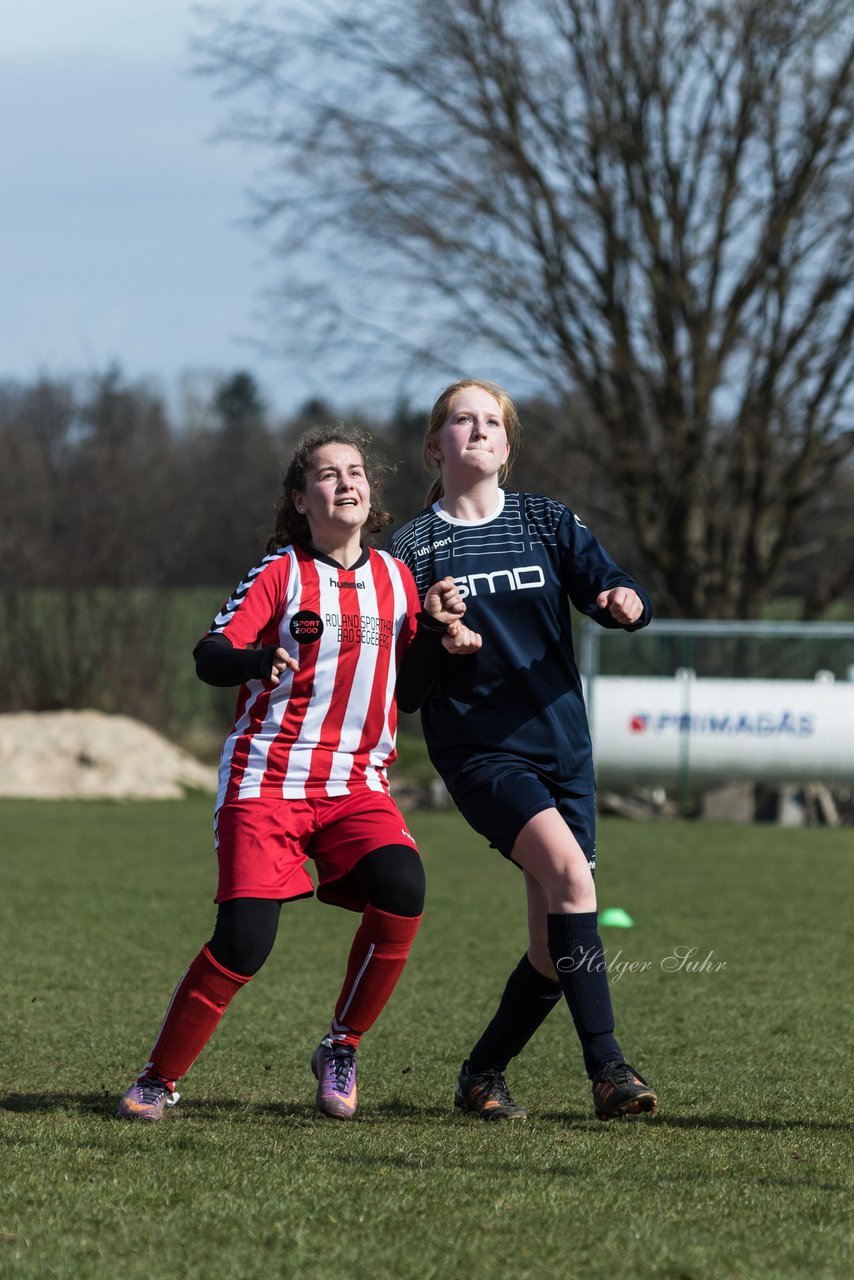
(570, 886)
(244, 934)
(393, 880)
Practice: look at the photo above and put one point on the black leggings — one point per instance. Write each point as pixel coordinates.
(390, 878)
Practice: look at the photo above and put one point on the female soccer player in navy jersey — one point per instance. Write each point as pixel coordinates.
(507, 729)
(317, 636)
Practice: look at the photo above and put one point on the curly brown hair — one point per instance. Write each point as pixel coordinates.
(291, 525)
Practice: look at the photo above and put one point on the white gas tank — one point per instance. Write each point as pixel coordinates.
(650, 730)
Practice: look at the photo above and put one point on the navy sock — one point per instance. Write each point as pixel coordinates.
(528, 999)
(579, 957)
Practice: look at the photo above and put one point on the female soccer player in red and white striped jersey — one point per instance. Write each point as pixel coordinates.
(318, 637)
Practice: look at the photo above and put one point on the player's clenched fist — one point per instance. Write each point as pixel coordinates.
(443, 602)
(461, 641)
(623, 604)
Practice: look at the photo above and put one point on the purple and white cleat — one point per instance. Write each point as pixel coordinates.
(334, 1065)
(147, 1099)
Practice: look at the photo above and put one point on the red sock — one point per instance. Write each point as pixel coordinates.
(376, 961)
(201, 998)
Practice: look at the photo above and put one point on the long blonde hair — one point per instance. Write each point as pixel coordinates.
(439, 415)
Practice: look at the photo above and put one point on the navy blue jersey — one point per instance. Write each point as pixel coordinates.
(519, 698)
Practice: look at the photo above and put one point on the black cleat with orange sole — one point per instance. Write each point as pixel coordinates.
(485, 1093)
(618, 1090)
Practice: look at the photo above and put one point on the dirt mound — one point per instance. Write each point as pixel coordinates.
(65, 755)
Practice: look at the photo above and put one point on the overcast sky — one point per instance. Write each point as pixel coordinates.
(121, 235)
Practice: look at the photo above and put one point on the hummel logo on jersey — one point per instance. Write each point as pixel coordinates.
(529, 577)
(333, 582)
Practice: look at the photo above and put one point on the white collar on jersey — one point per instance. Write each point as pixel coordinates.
(443, 515)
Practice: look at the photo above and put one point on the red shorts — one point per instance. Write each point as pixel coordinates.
(262, 844)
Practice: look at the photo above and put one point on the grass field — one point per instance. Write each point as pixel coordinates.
(744, 1173)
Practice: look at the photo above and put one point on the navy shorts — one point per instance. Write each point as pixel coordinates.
(500, 805)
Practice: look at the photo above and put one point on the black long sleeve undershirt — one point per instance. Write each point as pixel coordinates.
(220, 664)
(421, 664)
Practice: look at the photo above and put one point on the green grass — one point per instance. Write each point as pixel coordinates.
(743, 1174)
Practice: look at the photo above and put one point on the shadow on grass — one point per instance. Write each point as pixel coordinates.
(104, 1105)
(78, 1103)
(396, 1111)
(711, 1120)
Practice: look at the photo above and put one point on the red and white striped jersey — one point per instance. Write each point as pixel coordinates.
(328, 729)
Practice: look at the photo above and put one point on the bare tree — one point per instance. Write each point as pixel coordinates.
(650, 204)
(820, 568)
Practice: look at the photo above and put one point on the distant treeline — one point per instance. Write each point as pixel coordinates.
(111, 505)
(102, 485)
